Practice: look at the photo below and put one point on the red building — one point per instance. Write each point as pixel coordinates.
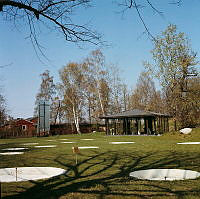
(25, 125)
(19, 128)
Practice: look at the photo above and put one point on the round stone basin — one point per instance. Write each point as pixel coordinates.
(165, 174)
(64, 139)
(68, 142)
(121, 142)
(14, 149)
(87, 139)
(28, 173)
(47, 146)
(88, 147)
(188, 143)
(27, 144)
(12, 153)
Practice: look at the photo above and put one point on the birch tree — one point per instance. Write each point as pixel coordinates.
(72, 83)
(98, 72)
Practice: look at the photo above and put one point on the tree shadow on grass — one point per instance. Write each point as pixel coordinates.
(107, 174)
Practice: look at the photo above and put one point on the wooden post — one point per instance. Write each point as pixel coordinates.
(175, 126)
(76, 151)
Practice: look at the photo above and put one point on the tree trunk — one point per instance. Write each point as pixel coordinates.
(76, 120)
(99, 96)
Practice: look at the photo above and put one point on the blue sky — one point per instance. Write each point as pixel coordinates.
(124, 32)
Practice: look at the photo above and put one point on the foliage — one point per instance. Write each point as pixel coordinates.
(97, 77)
(174, 64)
(48, 92)
(72, 88)
(3, 110)
(145, 96)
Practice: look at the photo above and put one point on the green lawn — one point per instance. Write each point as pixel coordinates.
(104, 172)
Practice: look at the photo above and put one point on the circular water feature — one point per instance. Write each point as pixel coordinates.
(68, 142)
(12, 153)
(88, 147)
(47, 146)
(121, 142)
(14, 149)
(188, 143)
(63, 139)
(28, 173)
(165, 174)
(26, 144)
(87, 139)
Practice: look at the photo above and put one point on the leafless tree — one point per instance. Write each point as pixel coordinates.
(55, 15)
(139, 5)
(58, 16)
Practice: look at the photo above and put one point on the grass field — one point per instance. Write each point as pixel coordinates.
(104, 172)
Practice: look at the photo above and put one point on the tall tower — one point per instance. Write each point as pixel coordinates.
(43, 118)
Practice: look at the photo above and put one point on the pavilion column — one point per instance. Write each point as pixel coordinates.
(137, 125)
(145, 126)
(164, 125)
(124, 126)
(115, 127)
(154, 121)
(150, 125)
(167, 124)
(159, 125)
(128, 126)
(107, 126)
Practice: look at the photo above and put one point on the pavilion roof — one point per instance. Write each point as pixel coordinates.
(135, 113)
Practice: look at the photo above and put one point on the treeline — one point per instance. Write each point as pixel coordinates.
(91, 88)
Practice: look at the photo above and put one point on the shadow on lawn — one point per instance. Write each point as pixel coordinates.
(107, 174)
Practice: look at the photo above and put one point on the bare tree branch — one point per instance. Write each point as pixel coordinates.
(154, 8)
(57, 12)
(142, 20)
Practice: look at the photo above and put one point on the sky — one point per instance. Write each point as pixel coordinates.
(127, 46)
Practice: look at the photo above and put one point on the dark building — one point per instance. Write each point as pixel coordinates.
(136, 122)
